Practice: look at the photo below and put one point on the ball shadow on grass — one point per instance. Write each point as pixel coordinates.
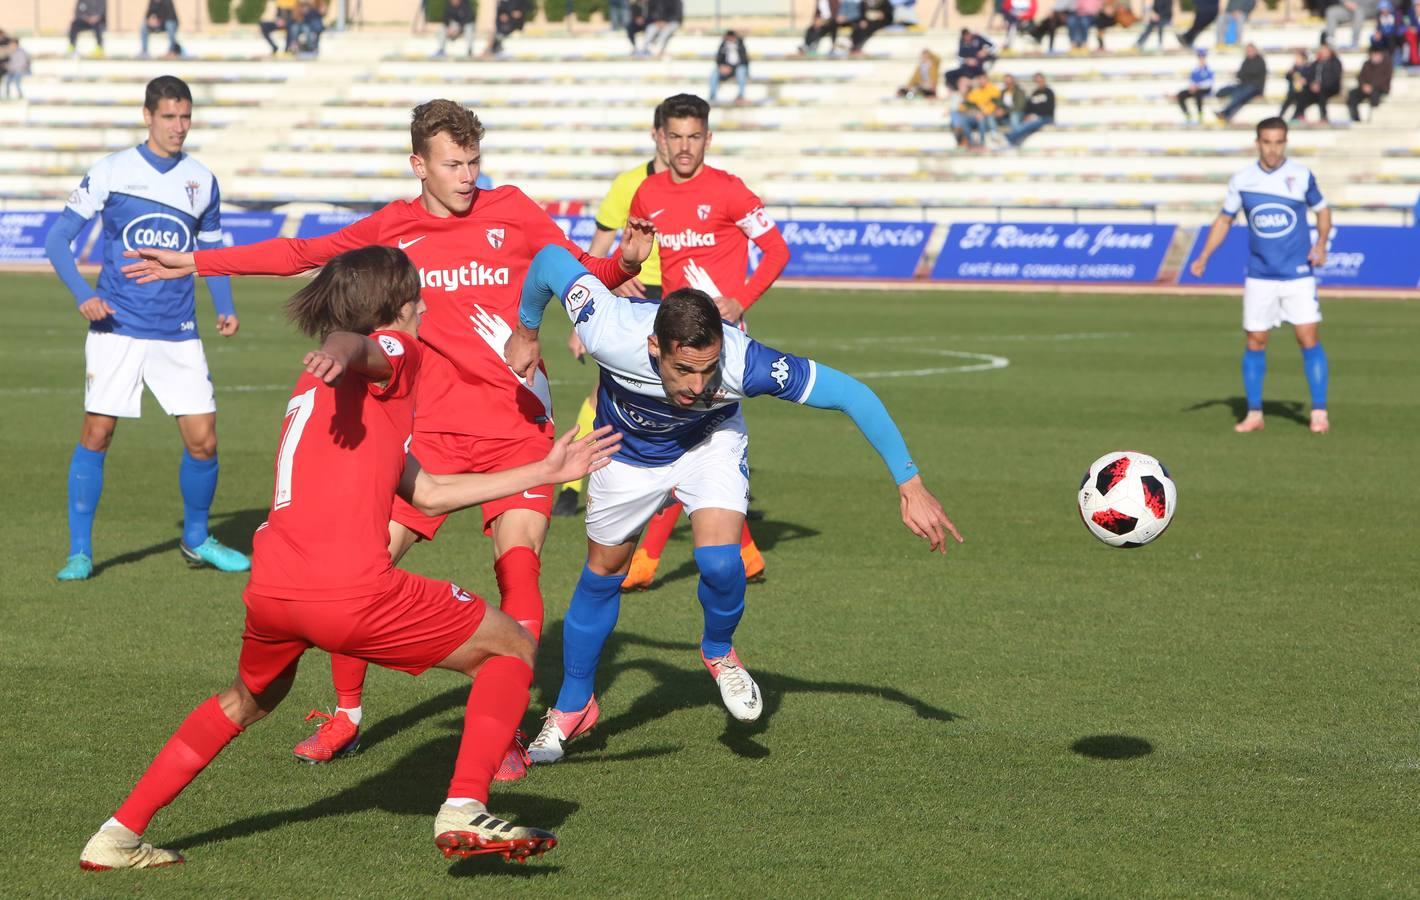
(1112, 746)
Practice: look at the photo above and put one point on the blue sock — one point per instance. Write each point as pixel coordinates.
(591, 616)
(86, 485)
(198, 480)
(1314, 362)
(722, 595)
(1254, 369)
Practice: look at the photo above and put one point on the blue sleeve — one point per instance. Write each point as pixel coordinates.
(774, 372)
(831, 389)
(1314, 198)
(211, 222)
(58, 247)
(551, 275)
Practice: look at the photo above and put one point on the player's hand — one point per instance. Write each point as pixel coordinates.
(577, 348)
(1197, 266)
(924, 516)
(730, 309)
(158, 265)
(95, 309)
(324, 365)
(1317, 256)
(523, 352)
(631, 288)
(637, 239)
(571, 459)
(227, 325)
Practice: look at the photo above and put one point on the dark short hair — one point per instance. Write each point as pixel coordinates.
(457, 121)
(165, 87)
(359, 290)
(1270, 123)
(688, 318)
(683, 106)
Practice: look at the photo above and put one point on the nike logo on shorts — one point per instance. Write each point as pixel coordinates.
(534, 496)
(403, 244)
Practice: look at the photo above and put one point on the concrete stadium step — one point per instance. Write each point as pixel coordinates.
(106, 93)
(100, 117)
(478, 95)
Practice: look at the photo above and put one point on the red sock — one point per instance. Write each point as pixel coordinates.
(746, 539)
(198, 740)
(348, 674)
(658, 530)
(496, 704)
(517, 572)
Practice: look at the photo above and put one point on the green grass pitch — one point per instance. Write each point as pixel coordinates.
(1231, 711)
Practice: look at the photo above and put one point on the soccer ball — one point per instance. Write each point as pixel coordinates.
(1127, 499)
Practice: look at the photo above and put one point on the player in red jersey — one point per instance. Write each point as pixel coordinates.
(472, 248)
(705, 219)
(322, 575)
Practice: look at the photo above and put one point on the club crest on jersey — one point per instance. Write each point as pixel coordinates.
(703, 211)
(1291, 183)
(459, 594)
(192, 188)
(495, 237)
(391, 346)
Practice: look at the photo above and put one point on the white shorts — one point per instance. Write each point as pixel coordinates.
(118, 366)
(1268, 303)
(714, 474)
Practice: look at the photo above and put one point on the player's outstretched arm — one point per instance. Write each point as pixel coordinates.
(551, 274)
(154, 264)
(921, 512)
(1216, 235)
(569, 460)
(346, 351)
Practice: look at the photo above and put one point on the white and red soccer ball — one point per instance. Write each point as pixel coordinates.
(1127, 499)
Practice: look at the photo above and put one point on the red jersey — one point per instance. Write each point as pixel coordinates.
(471, 268)
(703, 228)
(340, 459)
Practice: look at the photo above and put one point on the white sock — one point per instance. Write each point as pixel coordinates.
(114, 823)
(461, 801)
(352, 712)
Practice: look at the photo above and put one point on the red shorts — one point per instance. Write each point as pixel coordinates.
(452, 454)
(409, 624)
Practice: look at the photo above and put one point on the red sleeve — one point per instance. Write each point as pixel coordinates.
(748, 212)
(542, 231)
(288, 256)
(404, 355)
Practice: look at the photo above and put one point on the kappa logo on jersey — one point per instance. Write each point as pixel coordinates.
(472, 275)
(686, 239)
(1272, 220)
(391, 346)
(162, 230)
(192, 188)
(780, 371)
(460, 594)
(495, 237)
(703, 211)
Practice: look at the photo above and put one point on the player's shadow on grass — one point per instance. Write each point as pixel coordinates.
(414, 784)
(688, 686)
(235, 529)
(1272, 409)
(767, 534)
(1112, 746)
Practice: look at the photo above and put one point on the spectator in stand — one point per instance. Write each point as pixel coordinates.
(824, 25)
(1389, 31)
(731, 58)
(1252, 81)
(958, 110)
(663, 18)
(618, 14)
(1297, 78)
(636, 23)
(1114, 12)
(1205, 12)
(1200, 85)
(283, 19)
(14, 68)
(923, 82)
(1357, 12)
(1229, 28)
(1040, 112)
(974, 54)
(306, 29)
(509, 19)
(1018, 14)
(1324, 84)
(874, 17)
(89, 15)
(984, 100)
(1013, 103)
(7, 44)
(1372, 84)
(161, 16)
(1080, 22)
(1160, 19)
(1043, 30)
(458, 22)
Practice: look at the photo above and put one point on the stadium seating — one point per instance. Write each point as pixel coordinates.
(825, 136)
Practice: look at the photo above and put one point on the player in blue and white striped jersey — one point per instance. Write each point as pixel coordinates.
(672, 378)
(151, 195)
(1274, 195)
